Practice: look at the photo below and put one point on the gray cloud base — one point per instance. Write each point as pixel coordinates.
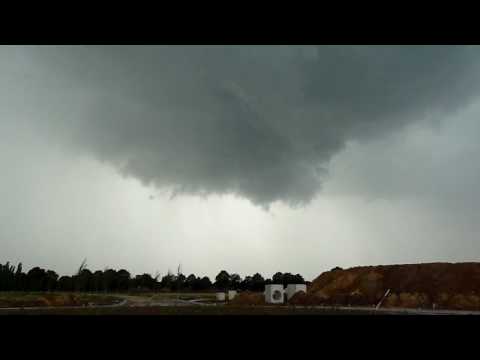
(261, 122)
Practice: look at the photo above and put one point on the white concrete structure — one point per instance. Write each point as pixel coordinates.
(220, 296)
(232, 294)
(274, 294)
(292, 289)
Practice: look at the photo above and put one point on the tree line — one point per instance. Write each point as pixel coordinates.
(109, 280)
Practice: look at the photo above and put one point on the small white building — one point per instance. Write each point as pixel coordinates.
(292, 289)
(220, 296)
(232, 294)
(274, 294)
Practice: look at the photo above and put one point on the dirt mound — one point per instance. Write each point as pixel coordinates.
(248, 298)
(447, 285)
(302, 299)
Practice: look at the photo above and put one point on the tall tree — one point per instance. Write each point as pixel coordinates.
(82, 266)
(110, 280)
(298, 279)
(7, 277)
(98, 283)
(83, 281)
(178, 283)
(65, 283)
(36, 279)
(168, 280)
(190, 281)
(51, 280)
(204, 283)
(222, 280)
(288, 278)
(246, 284)
(123, 277)
(258, 282)
(20, 278)
(277, 278)
(146, 281)
(235, 281)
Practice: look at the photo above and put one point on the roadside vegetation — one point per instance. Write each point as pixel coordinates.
(111, 281)
(42, 299)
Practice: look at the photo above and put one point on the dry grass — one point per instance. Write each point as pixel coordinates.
(56, 299)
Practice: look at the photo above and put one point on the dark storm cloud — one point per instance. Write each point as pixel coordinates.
(258, 121)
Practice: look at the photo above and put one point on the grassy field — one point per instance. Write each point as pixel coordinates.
(57, 299)
(182, 296)
(184, 310)
(18, 303)
(61, 299)
(31, 303)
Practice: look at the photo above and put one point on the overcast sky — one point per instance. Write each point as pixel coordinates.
(244, 158)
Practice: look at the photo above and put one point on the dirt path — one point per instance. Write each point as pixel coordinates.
(141, 301)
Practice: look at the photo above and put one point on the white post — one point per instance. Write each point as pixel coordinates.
(381, 300)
